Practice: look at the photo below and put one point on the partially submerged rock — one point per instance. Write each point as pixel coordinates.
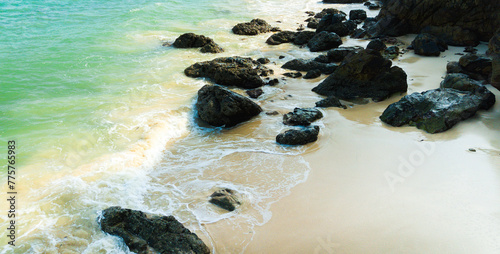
(226, 199)
(254, 27)
(324, 41)
(255, 93)
(364, 75)
(144, 233)
(308, 65)
(298, 136)
(312, 74)
(302, 116)
(330, 101)
(221, 107)
(231, 71)
(281, 37)
(437, 110)
(191, 40)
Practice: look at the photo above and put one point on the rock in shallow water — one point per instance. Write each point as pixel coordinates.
(298, 136)
(226, 199)
(437, 110)
(302, 116)
(254, 27)
(145, 234)
(221, 107)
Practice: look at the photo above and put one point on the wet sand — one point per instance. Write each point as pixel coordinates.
(373, 188)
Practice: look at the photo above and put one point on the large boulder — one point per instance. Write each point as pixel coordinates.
(191, 40)
(494, 53)
(144, 233)
(281, 37)
(357, 14)
(231, 71)
(254, 27)
(460, 81)
(308, 65)
(298, 136)
(399, 17)
(428, 45)
(324, 41)
(437, 110)
(477, 66)
(303, 37)
(302, 116)
(365, 74)
(221, 107)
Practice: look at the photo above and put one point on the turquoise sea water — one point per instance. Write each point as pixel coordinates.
(101, 115)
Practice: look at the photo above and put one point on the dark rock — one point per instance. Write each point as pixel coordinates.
(254, 27)
(453, 67)
(221, 107)
(364, 75)
(376, 44)
(470, 49)
(494, 53)
(293, 74)
(437, 110)
(350, 25)
(273, 82)
(263, 60)
(478, 67)
(191, 40)
(324, 41)
(428, 45)
(338, 54)
(144, 233)
(391, 52)
(226, 199)
(312, 74)
(275, 29)
(330, 101)
(302, 116)
(230, 71)
(298, 136)
(254, 93)
(327, 21)
(313, 23)
(303, 37)
(322, 59)
(326, 11)
(357, 14)
(399, 17)
(460, 81)
(310, 13)
(281, 57)
(272, 113)
(453, 35)
(374, 6)
(359, 33)
(211, 47)
(307, 65)
(281, 37)
(343, 1)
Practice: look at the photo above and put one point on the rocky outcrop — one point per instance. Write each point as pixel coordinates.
(298, 136)
(302, 116)
(437, 110)
(324, 41)
(330, 21)
(308, 65)
(478, 67)
(364, 75)
(221, 107)
(226, 199)
(254, 27)
(330, 101)
(428, 45)
(494, 53)
(231, 71)
(357, 14)
(145, 234)
(399, 17)
(191, 40)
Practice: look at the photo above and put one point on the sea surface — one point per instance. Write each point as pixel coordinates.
(102, 115)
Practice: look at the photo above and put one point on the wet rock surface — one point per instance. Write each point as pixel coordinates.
(254, 27)
(298, 136)
(226, 199)
(302, 116)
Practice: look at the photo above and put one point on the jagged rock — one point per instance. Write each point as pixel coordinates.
(365, 74)
(302, 116)
(330, 101)
(376, 44)
(453, 35)
(255, 93)
(254, 27)
(312, 74)
(357, 14)
(324, 41)
(281, 37)
(307, 65)
(399, 17)
(226, 199)
(298, 136)
(437, 110)
(428, 45)
(460, 81)
(191, 40)
(145, 234)
(479, 67)
(293, 74)
(231, 71)
(211, 47)
(221, 107)
(303, 37)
